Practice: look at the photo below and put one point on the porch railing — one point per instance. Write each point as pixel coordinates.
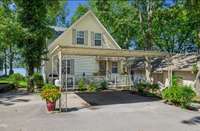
(113, 80)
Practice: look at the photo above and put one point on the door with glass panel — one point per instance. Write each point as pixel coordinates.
(68, 73)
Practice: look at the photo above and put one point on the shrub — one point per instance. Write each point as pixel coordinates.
(142, 87)
(16, 78)
(154, 87)
(82, 85)
(179, 95)
(103, 85)
(38, 80)
(92, 87)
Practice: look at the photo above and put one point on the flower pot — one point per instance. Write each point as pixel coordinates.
(51, 106)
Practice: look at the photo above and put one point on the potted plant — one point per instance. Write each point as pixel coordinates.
(51, 94)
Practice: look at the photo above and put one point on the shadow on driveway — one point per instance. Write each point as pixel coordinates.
(13, 97)
(192, 121)
(113, 97)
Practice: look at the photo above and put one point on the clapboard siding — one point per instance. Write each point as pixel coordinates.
(89, 24)
(87, 64)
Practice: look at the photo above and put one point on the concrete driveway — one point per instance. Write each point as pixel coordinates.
(109, 111)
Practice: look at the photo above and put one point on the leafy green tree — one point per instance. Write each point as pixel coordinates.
(81, 10)
(10, 30)
(35, 18)
(171, 29)
(118, 18)
(193, 9)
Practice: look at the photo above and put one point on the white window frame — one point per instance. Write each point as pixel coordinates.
(80, 36)
(115, 65)
(97, 39)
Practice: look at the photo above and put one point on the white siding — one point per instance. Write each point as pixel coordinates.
(87, 64)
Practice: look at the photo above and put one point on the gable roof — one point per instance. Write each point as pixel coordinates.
(54, 43)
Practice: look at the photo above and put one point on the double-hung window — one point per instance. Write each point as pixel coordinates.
(97, 39)
(80, 37)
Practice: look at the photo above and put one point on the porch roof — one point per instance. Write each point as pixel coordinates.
(85, 51)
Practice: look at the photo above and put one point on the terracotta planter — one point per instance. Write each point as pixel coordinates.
(51, 106)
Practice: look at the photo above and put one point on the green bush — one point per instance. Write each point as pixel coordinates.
(82, 85)
(142, 87)
(103, 85)
(179, 95)
(38, 80)
(50, 93)
(92, 87)
(154, 87)
(16, 78)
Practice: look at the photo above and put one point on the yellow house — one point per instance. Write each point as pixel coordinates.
(86, 32)
(86, 49)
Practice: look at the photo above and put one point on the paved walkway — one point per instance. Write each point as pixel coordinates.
(111, 111)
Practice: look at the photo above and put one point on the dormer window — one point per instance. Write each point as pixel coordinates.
(80, 37)
(97, 39)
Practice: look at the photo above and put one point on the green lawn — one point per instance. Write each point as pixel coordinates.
(22, 83)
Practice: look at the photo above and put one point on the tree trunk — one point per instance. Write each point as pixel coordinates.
(148, 70)
(5, 62)
(11, 60)
(30, 80)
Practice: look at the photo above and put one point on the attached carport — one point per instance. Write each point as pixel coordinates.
(61, 51)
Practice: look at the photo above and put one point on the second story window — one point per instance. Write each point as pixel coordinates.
(80, 37)
(97, 39)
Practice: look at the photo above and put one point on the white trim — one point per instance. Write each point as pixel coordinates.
(76, 22)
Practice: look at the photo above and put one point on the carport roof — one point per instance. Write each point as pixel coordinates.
(85, 51)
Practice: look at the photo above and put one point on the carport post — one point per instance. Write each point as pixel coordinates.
(107, 68)
(66, 87)
(52, 66)
(60, 76)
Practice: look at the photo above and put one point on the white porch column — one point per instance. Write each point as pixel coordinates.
(60, 76)
(66, 87)
(107, 67)
(52, 66)
(60, 65)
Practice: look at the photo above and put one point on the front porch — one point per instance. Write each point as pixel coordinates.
(109, 69)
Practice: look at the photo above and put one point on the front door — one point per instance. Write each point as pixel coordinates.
(68, 67)
(102, 67)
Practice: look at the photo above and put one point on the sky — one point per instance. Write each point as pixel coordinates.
(72, 5)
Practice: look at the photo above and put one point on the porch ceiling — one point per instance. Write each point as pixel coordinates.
(68, 50)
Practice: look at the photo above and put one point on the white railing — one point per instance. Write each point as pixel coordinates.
(114, 80)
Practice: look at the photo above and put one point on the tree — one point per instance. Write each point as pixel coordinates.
(35, 17)
(118, 18)
(144, 37)
(10, 30)
(171, 30)
(193, 8)
(81, 10)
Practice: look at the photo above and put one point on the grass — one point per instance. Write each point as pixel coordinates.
(22, 84)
